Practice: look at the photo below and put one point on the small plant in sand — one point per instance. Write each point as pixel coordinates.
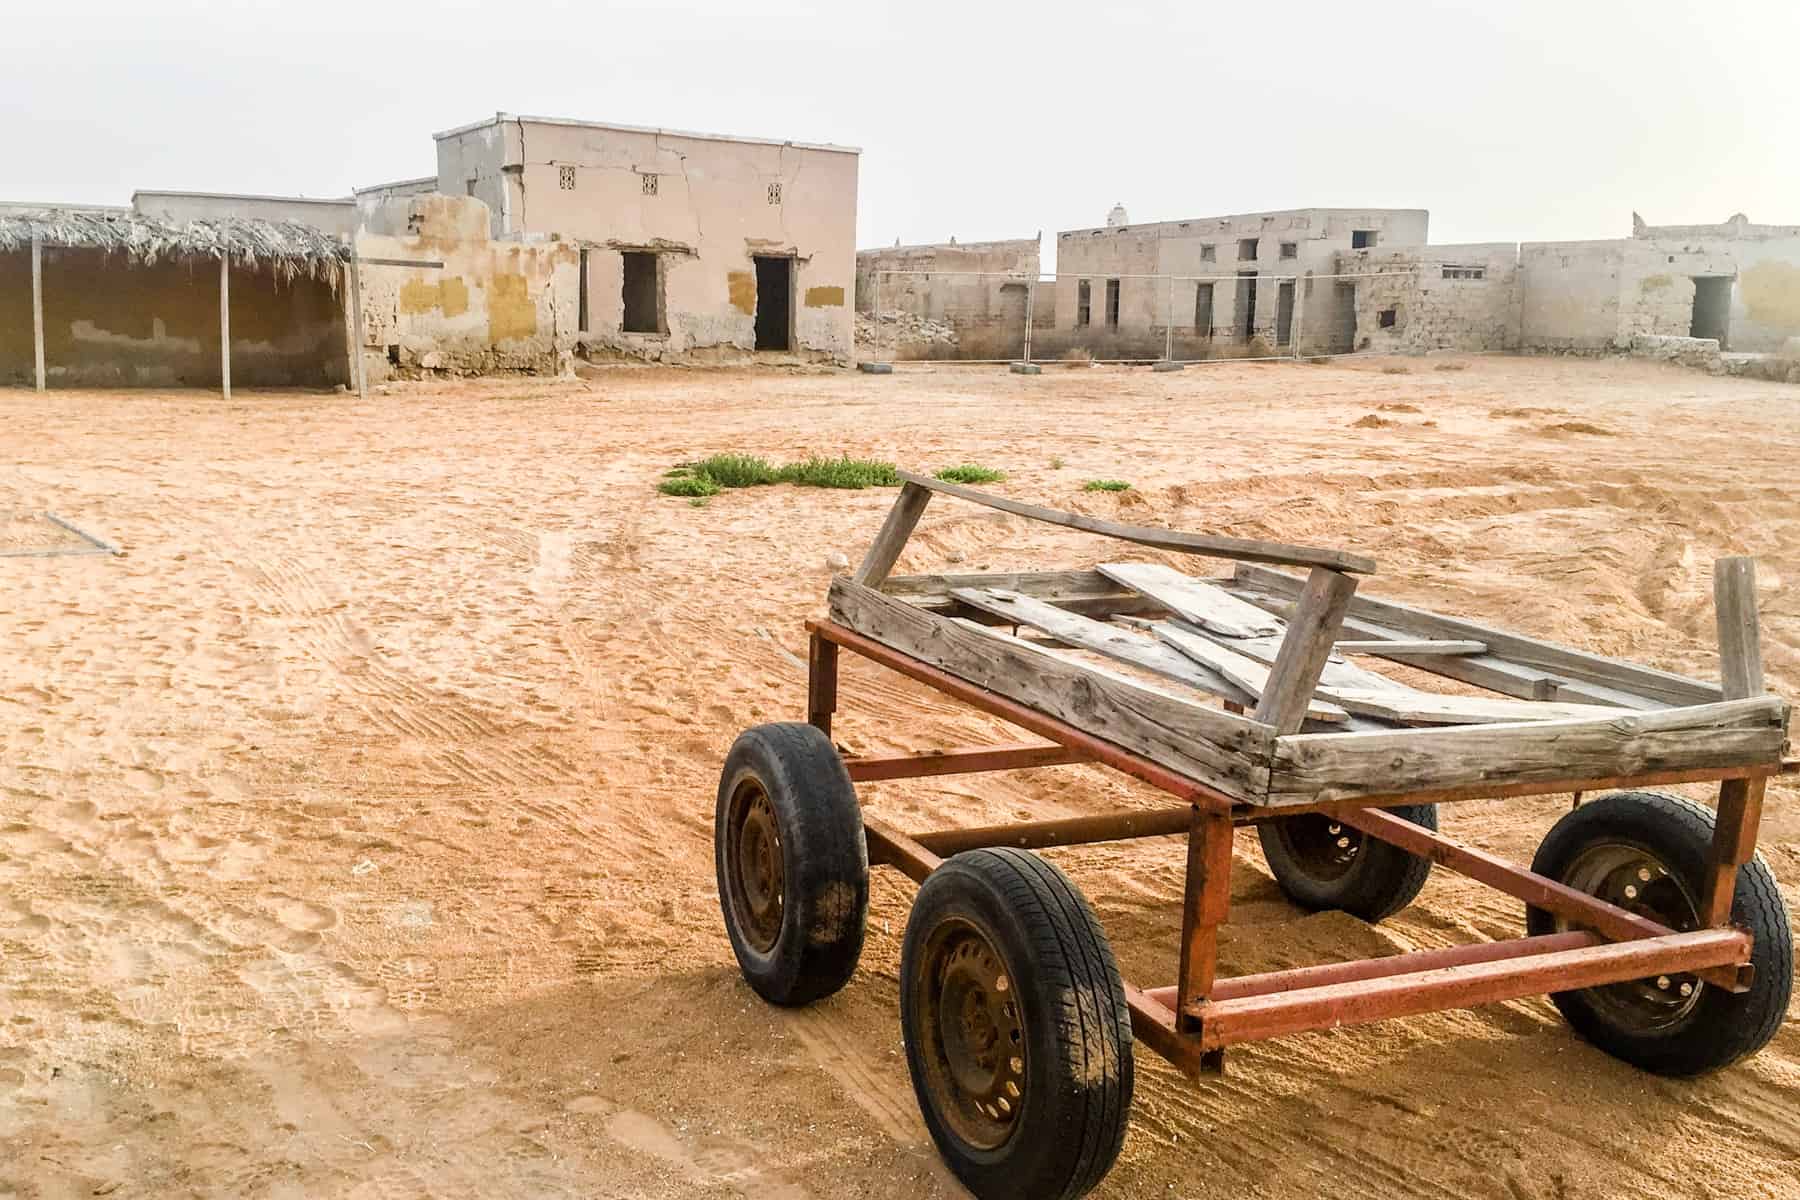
(1106, 485)
(1077, 356)
(843, 472)
(688, 485)
(736, 470)
(699, 501)
(1056, 462)
(1396, 370)
(971, 473)
(1451, 366)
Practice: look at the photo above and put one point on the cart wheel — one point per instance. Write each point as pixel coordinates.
(1017, 1034)
(1321, 864)
(792, 863)
(1647, 852)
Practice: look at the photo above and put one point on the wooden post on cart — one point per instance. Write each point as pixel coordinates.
(1741, 675)
(1317, 621)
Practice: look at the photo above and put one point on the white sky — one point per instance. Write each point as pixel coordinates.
(1509, 119)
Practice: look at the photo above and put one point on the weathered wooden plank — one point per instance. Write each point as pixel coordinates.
(899, 524)
(1245, 672)
(1193, 600)
(1664, 686)
(1164, 539)
(1207, 745)
(1740, 668)
(1072, 629)
(1740, 635)
(1086, 592)
(1482, 670)
(225, 324)
(1414, 707)
(1325, 767)
(1386, 648)
(1304, 649)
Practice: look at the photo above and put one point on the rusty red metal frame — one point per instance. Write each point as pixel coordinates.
(1192, 1021)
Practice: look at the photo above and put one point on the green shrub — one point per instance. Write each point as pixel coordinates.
(843, 472)
(1106, 485)
(737, 470)
(970, 473)
(689, 485)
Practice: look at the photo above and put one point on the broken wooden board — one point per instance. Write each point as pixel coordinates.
(1240, 669)
(1086, 592)
(1429, 708)
(1383, 648)
(1193, 600)
(1391, 702)
(1211, 747)
(1073, 629)
(1662, 686)
(1163, 539)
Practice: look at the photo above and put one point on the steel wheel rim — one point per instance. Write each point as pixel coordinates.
(1635, 879)
(1321, 847)
(972, 1033)
(756, 875)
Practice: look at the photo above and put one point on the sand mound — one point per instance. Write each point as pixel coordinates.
(1371, 421)
(1584, 427)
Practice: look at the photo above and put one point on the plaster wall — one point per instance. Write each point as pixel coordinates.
(706, 206)
(494, 305)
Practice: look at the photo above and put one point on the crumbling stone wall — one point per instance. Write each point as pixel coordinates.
(1412, 300)
(979, 292)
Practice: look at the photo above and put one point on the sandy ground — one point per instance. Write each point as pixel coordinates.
(355, 826)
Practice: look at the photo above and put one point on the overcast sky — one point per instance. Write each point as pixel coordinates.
(1509, 119)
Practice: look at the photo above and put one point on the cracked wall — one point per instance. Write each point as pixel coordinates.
(494, 306)
(706, 205)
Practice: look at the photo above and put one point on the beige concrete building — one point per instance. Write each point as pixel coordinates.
(691, 246)
(1238, 280)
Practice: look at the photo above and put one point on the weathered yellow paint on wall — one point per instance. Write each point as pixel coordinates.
(1771, 293)
(742, 285)
(825, 297)
(512, 313)
(1655, 283)
(449, 296)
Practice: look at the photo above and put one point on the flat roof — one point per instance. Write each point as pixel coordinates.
(1278, 212)
(34, 206)
(1023, 241)
(499, 117)
(244, 196)
(397, 183)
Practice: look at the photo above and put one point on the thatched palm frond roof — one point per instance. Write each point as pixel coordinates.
(286, 247)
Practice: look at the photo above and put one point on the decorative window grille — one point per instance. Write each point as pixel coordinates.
(775, 192)
(565, 178)
(1465, 272)
(648, 183)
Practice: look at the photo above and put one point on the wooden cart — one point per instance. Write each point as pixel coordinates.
(1252, 699)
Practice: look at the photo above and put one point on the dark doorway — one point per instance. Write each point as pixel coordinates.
(643, 304)
(1203, 302)
(1712, 308)
(1284, 314)
(1246, 305)
(774, 303)
(1112, 304)
(1343, 319)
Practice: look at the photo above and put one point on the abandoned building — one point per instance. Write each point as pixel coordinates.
(691, 246)
(981, 292)
(1201, 285)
